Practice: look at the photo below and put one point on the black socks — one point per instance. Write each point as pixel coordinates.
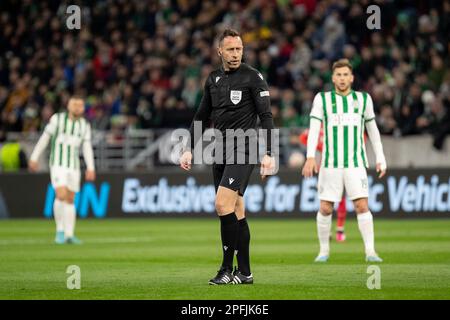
(243, 248)
(229, 229)
(235, 236)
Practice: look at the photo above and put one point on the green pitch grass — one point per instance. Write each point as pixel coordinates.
(175, 258)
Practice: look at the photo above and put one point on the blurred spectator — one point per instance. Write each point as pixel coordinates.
(385, 120)
(12, 157)
(191, 93)
(143, 64)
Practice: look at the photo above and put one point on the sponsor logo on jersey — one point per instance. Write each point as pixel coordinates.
(264, 93)
(231, 180)
(217, 79)
(345, 119)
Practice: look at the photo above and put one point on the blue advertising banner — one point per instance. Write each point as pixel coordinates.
(402, 193)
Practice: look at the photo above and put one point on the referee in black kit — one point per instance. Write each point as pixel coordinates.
(234, 95)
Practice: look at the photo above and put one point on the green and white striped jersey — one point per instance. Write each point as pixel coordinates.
(343, 119)
(67, 136)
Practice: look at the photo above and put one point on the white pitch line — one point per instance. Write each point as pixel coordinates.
(87, 241)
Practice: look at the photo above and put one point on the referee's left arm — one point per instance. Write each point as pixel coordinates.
(261, 97)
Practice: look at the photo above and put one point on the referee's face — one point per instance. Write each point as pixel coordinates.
(230, 50)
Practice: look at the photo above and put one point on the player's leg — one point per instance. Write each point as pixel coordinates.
(58, 213)
(330, 187)
(58, 180)
(323, 220)
(225, 206)
(73, 186)
(365, 225)
(70, 217)
(229, 228)
(242, 275)
(341, 215)
(356, 185)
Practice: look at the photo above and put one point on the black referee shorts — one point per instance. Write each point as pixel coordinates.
(232, 176)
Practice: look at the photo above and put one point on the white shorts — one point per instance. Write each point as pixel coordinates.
(63, 177)
(333, 181)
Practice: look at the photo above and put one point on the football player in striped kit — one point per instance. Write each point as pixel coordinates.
(66, 132)
(345, 114)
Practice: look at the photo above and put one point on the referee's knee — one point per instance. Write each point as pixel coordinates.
(224, 207)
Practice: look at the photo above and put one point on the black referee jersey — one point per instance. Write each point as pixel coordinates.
(233, 100)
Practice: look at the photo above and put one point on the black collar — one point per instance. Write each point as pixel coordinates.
(230, 71)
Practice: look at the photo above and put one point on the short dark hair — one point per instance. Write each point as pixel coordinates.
(342, 63)
(228, 33)
(76, 96)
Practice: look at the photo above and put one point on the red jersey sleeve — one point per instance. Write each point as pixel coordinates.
(304, 139)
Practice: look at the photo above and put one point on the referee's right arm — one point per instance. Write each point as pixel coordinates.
(203, 115)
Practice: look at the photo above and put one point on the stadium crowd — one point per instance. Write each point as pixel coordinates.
(142, 64)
